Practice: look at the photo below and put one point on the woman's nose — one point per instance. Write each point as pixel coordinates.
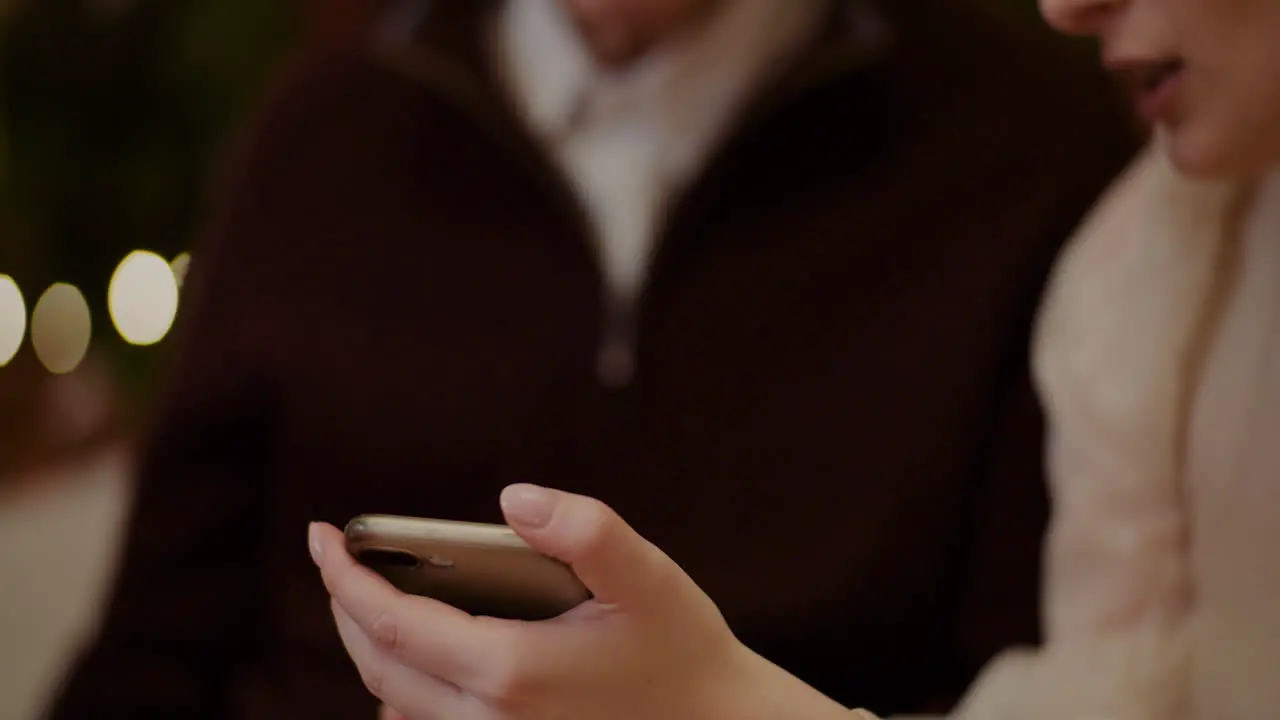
(1079, 17)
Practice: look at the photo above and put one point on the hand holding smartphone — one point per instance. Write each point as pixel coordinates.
(478, 568)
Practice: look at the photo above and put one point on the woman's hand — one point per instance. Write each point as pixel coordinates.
(650, 646)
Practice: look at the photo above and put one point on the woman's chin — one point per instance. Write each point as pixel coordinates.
(1202, 153)
(1190, 155)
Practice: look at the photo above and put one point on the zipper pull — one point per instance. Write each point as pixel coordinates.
(616, 356)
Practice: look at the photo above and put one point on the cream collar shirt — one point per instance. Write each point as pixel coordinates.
(629, 140)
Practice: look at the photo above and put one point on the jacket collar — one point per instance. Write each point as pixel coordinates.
(452, 36)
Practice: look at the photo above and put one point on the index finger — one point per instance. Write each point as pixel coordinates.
(386, 712)
(428, 635)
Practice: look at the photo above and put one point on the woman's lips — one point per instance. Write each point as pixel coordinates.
(1155, 85)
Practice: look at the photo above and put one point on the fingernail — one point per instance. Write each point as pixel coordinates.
(313, 541)
(528, 505)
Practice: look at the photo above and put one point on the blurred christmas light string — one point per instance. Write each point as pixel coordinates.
(13, 319)
(61, 328)
(142, 298)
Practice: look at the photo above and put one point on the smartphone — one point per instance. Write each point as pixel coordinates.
(480, 569)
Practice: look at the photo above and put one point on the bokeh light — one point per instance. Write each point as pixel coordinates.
(61, 328)
(13, 319)
(180, 265)
(143, 298)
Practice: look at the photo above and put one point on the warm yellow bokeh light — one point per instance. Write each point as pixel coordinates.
(180, 265)
(143, 298)
(61, 328)
(13, 319)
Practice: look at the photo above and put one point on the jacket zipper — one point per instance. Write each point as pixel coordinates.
(616, 348)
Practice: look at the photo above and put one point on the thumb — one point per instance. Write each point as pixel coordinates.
(386, 713)
(617, 565)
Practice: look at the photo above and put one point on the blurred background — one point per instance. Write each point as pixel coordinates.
(114, 115)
